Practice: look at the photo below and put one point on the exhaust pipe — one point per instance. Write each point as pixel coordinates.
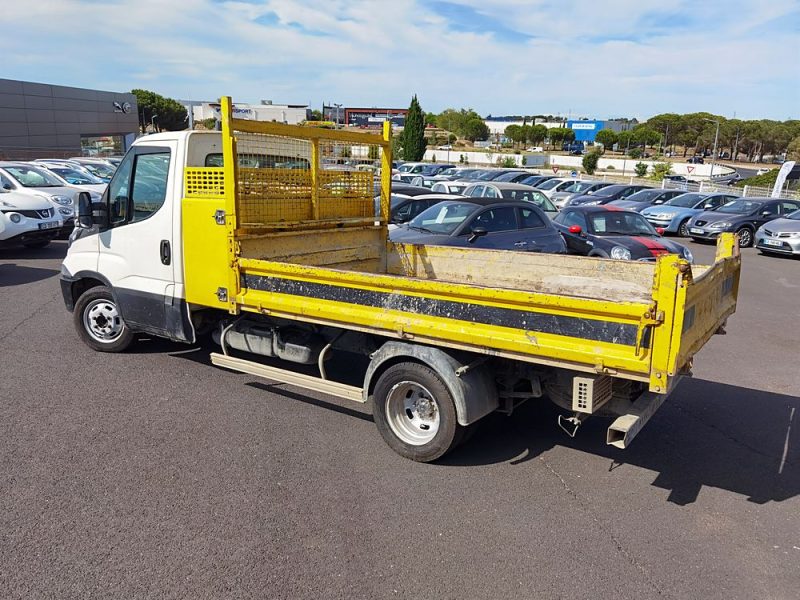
(626, 427)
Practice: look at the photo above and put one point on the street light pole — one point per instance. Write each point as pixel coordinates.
(338, 106)
(714, 151)
(625, 159)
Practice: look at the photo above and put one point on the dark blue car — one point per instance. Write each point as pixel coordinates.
(487, 223)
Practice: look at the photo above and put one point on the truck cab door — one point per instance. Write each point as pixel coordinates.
(136, 244)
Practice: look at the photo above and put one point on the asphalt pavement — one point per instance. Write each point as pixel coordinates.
(153, 474)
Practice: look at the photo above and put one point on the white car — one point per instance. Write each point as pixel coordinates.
(27, 220)
(33, 180)
(76, 176)
(449, 187)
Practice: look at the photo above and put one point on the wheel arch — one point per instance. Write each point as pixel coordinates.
(81, 282)
(474, 391)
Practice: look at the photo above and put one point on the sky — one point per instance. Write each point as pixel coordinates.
(579, 58)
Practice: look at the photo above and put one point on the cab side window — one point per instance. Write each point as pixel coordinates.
(149, 184)
(118, 192)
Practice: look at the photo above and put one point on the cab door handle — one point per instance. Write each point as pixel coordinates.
(166, 253)
(520, 244)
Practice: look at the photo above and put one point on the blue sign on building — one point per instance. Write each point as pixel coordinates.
(585, 131)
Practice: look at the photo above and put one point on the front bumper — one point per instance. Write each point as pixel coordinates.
(31, 236)
(777, 245)
(66, 290)
(666, 224)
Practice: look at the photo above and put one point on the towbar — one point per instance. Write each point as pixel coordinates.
(626, 427)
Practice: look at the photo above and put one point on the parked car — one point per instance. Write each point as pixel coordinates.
(402, 189)
(449, 187)
(403, 208)
(33, 180)
(743, 216)
(579, 187)
(554, 185)
(488, 223)
(673, 216)
(614, 233)
(533, 180)
(511, 191)
(408, 167)
(607, 194)
(781, 236)
(76, 176)
(492, 174)
(454, 173)
(644, 198)
(101, 168)
(409, 178)
(27, 220)
(697, 160)
(514, 176)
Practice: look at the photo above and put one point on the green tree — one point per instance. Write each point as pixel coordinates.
(569, 135)
(635, 152)
(793, 150)
(413, 136)
(166, 114)
(507, 162)
(430, 119)
(640, 169)
(475, 129)
(590, 160)
(516, 133)
(661, 170)
(606, 137)
(556, 135)
(537, 134)
(316, 115)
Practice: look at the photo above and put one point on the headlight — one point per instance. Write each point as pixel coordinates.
(15, 218)
(687, 254)
(662, 216)
(720, 225)
(63, 200)
(795, 234)
(620, 253)
(591, 203)
(67, 212)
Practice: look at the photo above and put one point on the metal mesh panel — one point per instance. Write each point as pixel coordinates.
(278, 181)
(204, 182)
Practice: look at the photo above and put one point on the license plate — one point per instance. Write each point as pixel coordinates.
(777, 243)
(695, 230)
(51, 225)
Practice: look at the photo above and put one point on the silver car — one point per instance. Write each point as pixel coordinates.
(780, 236)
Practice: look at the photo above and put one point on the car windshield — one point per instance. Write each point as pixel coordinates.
(448, 172)
(443, 218)
(35, 178)
(644, 195)
(685, 200)
(608, 191)
(99, 170)
(537, 198)
(619, 223)
(579, 186)
(740, 207)
(795, 216)
(487, 175)
(75, 177)
(549, 185)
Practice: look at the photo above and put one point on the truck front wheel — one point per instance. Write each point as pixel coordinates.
(415, 413)
(99, 322)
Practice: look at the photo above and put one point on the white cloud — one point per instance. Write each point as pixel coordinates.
(618, 57)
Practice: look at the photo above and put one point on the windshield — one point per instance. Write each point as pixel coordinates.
(486, 175)
(579, 186)
(685, 200)
(549, 185)
(103, 172)
(75, 177)
(537, 198)
(795, 216)
(443, 218)
(36, 178)
(644, 195)
(740, 207)
(619, 223)
(607, 191)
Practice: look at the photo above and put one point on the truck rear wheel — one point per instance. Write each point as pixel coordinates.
(99, 322)
(415, 413)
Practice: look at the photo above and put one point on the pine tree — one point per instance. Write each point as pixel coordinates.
(413, 136)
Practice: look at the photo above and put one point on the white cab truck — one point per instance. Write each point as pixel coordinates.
(246, 235)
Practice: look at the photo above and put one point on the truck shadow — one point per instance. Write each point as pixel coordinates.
(13, 274)
(707, 434)
(56, 250)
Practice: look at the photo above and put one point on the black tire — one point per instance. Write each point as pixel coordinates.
(404, 382)
(683, 228)
(96, 323)
(745, 237)
(37, 245)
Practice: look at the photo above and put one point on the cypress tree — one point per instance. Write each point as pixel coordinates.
(413, 137)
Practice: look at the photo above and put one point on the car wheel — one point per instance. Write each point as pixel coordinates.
(683, 228)
(745, 237)
(37, 245)
(415, 413)
(99, 323)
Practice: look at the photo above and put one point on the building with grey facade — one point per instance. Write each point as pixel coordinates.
(39, 120)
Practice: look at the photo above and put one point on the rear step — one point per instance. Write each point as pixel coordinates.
(626, 427)
(308, 382)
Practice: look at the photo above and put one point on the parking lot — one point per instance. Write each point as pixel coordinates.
(154, 474)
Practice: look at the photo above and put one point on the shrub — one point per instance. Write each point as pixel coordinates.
(661, 170)
(611, 168)
(635, 153)
(590, 161)
(641, 169)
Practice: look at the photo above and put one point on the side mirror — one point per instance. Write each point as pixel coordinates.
(708, 206)
(84, 220)
(660, 230)
(477, 232)
(766, 213)
(7, 186)
(576, 229)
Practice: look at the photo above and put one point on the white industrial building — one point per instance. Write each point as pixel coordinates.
(265, 111)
